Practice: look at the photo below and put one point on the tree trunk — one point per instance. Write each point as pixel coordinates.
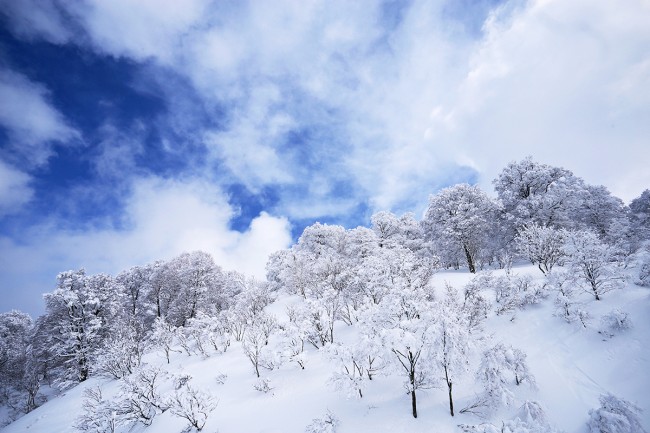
(470, 261)
(414, 405)
(451, 401)
(449, 386)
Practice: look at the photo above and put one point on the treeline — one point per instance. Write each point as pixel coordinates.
(377, 278)
(103, 324)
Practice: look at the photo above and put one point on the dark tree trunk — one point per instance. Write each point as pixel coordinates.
(470, 261)
(449, 386)
(414, 405)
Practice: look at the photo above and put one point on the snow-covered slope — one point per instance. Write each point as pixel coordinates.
(572, 365)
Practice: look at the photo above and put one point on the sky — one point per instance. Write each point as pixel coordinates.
(132, 131)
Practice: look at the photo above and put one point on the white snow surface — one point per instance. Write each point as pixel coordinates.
(572, 365)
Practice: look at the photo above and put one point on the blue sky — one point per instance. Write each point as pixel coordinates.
(135, 130)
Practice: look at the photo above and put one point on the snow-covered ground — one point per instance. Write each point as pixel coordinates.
(572, 365)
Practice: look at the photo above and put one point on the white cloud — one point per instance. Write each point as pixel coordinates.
(31, 121)
(162, 219)
(412, 100)
(142, 29)
(567, 83)
(15, 190)
(31, 19)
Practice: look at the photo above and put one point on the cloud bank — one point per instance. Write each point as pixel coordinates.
(263, 115)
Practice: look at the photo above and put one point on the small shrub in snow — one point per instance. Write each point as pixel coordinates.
(327, 424)
(615, 415)
(193, 405)
(181, 380)
(529, 419)
(140, 400)
(614, 322)
(221, 378)
(515, 291)
(263, 385)
(566, 305)
(98, 415)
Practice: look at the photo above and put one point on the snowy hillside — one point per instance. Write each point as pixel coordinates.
(572, 366)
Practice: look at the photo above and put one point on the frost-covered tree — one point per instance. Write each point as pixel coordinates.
(98, 414)
(140, 398)
(194, 405)
(403, 231)
(198, 281)
(19, 383)
(121, 351)
(356, 364)
(163, 335)
(161, 280)
(497, 363)
(450, 339)
(543, 246)
(538, 193)
(134, 284)
(640, 215)
(403, 321)
(254, 345)
(292, 342)
(458, 222)
(76, 315)
(615, 415)
(594, 261)
(563, 284)
(475, 306)
(602, 213)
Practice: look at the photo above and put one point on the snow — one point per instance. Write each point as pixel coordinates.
(572, 366)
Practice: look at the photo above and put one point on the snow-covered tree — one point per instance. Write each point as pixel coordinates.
(403, 231)
(450, 339)
(475, 306)
(615, 415)
(458, 222)
(403, 321)
(594, 261)
(496, 364)
(356, 364)
(640, 215)
(98, 414)
(140, 398)
(254, 346)
(163, 335)
(543, 246)
(121, 351)
(76, 315)
(538, 193)
(194, 405)
(19, 384)
(567, 306)
(198, 281)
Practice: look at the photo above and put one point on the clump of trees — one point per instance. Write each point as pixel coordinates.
(376, 278)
